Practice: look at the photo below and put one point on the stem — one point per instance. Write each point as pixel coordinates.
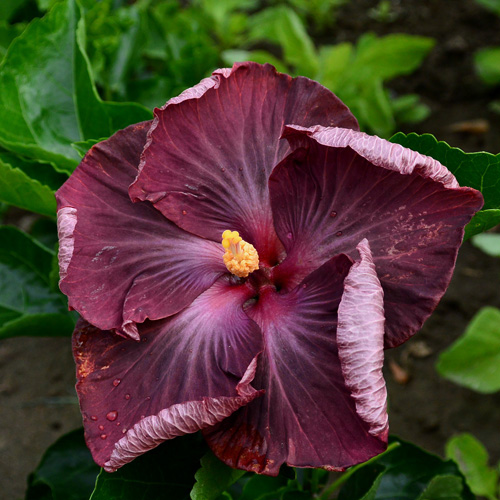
(342, 479)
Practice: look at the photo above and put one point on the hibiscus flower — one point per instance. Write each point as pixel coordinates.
(335, 245)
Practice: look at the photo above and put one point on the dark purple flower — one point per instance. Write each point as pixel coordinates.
(356, 241)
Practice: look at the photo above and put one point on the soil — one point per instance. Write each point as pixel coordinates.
(37, 397)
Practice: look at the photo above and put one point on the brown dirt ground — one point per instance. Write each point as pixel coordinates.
(37, 398)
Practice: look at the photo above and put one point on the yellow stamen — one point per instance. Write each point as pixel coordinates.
(240, 258)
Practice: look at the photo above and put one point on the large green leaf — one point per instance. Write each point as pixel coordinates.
(66, 472)
(213, 478)
(477, 170)
(165, 472)
(404, 473)
(474, 359)
(29, 184)
(48, 99)
(28, 303)
(472, 459)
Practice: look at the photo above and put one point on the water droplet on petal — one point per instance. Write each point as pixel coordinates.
(304, 286)
(222, 169)
(144, 339)
(338, 233)
(124, 430)
(93, 417)
(289, 236)
(241, 169)
(101, 427)
(184, 212)
(118, 423)
(127, 396)
(333, 214)
(116, 382)
(112, 415)
(148, 398)
(104, 436)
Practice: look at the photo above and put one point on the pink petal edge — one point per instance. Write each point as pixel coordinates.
(360, 337)
(179, 419)
(66, 222)
(377, 151)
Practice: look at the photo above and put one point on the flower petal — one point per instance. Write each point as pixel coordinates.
(123, 262)
(188, 372)
(402, 203)
(209, 154)
(307, 416)
(360, 340)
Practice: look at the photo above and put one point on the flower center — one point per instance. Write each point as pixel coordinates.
(240, 258)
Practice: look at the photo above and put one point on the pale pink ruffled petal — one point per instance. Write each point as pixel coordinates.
(379, 152)
(66, 222)
(180, 419)
(360, 339)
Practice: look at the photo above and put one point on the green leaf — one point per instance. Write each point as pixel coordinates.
(28, 184)
(281, 25)
(28, 304)
(386, 57)
(444, 487)
(165, 472)
(357, 74)
(66, 472)
(488, 65)
(488, 243)
(404, 473)
(83, 146)
(373, 109)
(482, 221)
(213, 478)
(472, 459)
(48, 99)
(474, 359)
(333, 62)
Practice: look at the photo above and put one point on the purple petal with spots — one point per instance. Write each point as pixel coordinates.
(188, 372)
(307, 416)
(210, 152)
(360, 340)
(406, 205)
(122, 262)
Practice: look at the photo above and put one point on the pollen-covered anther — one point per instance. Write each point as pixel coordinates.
(240, 258)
